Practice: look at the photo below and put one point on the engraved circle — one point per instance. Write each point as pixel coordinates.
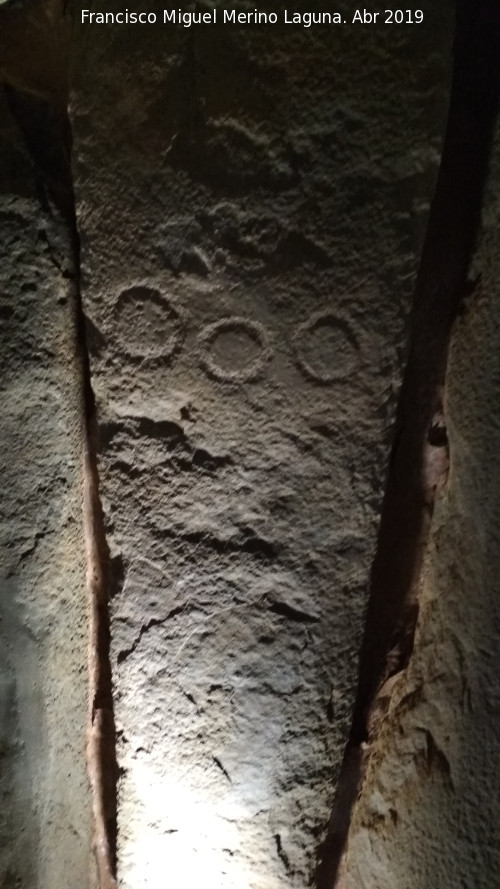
(234, 350)
(326, 349)
(148, 324)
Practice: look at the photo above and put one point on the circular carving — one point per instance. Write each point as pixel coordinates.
(234, 350)
(148, 324)
(326, 349)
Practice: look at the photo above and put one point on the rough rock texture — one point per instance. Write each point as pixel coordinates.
(250, 203)
(428, 813)
(45, 811)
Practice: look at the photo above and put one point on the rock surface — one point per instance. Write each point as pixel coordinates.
(428, 815)
(250, 203)
(45, 809)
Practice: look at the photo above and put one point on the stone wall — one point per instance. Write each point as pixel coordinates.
(201, 354)
(45, 809)
(250, 203)
(428, 813)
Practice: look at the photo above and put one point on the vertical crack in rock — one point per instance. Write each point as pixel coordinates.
(47, 135)
(419, 457)
(101, 755)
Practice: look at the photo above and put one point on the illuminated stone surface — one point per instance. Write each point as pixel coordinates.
(250, 208)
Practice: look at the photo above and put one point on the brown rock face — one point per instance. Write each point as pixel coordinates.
(250, 202)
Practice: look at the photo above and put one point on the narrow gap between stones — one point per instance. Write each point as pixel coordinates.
(46, 131)
(101, 740)
(419, 457)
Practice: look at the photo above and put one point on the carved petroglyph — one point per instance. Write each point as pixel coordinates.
(237, 350)
(325, 348)
(234, 350)
(148, 325)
